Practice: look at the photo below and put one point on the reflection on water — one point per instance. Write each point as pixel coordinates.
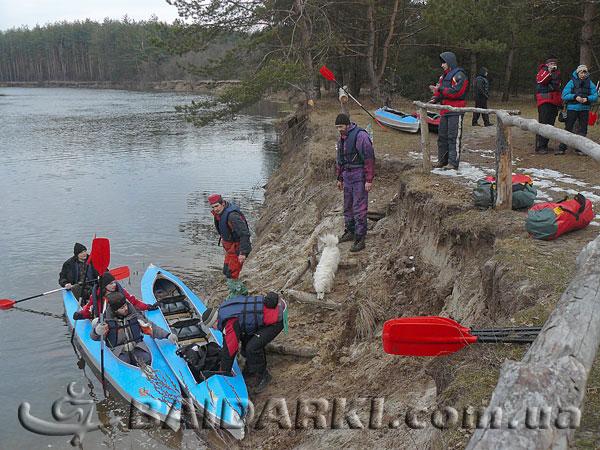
(75, 163)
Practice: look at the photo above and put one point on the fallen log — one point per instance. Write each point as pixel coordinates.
(311, 299)
(287, 349)
(537, 401)
(300, 271)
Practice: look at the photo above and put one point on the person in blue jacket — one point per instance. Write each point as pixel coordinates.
(578, 94)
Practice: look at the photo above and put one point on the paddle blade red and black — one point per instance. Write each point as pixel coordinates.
(100, 255)
(327, 73)
(424, 336)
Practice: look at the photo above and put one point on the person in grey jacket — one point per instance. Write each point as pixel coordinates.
(124, 327)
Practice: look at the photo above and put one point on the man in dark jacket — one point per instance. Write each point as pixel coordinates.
(355, 169)
(548, 95)
(124, 327)
(253, 321)
(482, 89)
(74, 274)
(450, 90)
(235, 235)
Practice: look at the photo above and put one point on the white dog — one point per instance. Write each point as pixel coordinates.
(325, 271)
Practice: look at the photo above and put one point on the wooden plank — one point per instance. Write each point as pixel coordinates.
(311, 299)
(425, 140)
(553, 374)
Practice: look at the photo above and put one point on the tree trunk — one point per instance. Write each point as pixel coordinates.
(509, 64)
(587, 30)
(305, 48)
(473, 71)
(373, 82)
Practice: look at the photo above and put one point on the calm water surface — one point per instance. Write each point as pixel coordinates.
(75, 163)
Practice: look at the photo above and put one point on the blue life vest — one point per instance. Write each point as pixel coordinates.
(351, 158)
(248, 310)
(581, 88)
(553, 86)
(114, 327)
(226, 232)
(447, 81)
(486, 84)
(96, 309)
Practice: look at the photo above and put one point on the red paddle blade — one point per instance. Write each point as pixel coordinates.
(6, 303)
(100, 256)
(120, 273)
(327, 73)
(424, 336)
(592, 119)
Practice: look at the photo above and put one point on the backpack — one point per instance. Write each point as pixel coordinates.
(484, 194)
(203, 359)
(549, 220)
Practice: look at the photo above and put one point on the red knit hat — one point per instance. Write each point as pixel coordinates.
(216, 198)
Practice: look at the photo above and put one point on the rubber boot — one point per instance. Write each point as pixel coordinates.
(263, 381)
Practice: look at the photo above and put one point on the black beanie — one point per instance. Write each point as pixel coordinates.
(107, 278)
(342, 119)
(116, 300)
(209, 317)
(78, 248)
(271, 300)
(551, 57)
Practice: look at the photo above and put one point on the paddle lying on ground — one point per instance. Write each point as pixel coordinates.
(119, 273)
(434, 336)
(328, 74)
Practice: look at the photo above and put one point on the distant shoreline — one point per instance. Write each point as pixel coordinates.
(166, 85)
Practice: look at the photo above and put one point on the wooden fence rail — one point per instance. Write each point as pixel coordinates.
(503, 148)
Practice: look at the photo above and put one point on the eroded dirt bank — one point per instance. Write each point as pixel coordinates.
(430, 253)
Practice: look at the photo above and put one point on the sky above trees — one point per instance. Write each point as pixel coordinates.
(14, 14)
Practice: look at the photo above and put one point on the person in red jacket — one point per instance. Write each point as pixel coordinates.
(548, 94)
(450, 90)
(93, 310)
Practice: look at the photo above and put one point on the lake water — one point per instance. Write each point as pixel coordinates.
(75, 163)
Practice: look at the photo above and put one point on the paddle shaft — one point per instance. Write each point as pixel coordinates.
(39, 295)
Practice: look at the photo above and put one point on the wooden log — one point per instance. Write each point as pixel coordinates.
(375, 215)
(553, 374)
(425, 140)
(440, 107)
(349, 264)
(311, 299)
(503, 150)
(297, 274)
(287, 349)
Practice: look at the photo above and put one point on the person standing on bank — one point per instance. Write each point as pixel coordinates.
(74, 273)
(235, 235)
(450, 90)
(579, 94)
(482, 89)
(355, 170)
(253, 321)
(548, 99)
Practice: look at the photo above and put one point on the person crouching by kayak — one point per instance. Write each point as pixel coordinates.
(93, 309)
(255, 321)
(235, 235)
(124, 328)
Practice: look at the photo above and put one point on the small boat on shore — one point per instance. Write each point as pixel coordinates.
(402, 121)
(152, 390)
(220, 400)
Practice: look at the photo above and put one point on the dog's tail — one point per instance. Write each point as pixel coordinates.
(330, 240)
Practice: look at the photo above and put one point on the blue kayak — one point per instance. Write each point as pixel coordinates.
(138, 387)
(220, 400)
(402, 121)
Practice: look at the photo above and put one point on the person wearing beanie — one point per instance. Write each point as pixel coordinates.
(579, 94)
(451, 90)
(124, 327)
(482, 89)
(109, 285)
(549, 99)
(235, 236)
(75, 275)
(253, 322)
(355, 169)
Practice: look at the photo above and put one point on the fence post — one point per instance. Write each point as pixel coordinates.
(425, 140)
(503, 148)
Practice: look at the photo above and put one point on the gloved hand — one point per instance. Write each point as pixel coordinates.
(100, 329)
(95, 322)
(78, 315)
(154, 306)
(173, 338)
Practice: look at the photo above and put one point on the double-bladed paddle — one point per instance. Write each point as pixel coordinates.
(434, 336)
(328, 74)
(119, 273)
